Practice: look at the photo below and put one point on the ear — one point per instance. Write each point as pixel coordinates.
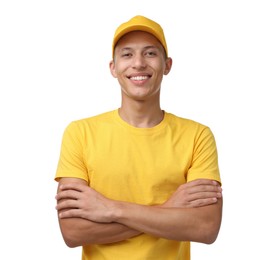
(112, 69)
(168, 65)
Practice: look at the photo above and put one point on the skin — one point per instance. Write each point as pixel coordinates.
(143, 57)
(192, 213)
(87, 217)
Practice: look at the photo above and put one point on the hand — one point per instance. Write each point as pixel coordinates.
(197, 193)
(80, 201)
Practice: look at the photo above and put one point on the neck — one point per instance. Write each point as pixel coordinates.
(139, 114)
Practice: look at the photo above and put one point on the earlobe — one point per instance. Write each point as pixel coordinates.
(112, 69)
(168, 65)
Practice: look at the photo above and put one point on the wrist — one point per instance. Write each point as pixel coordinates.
(116, 211)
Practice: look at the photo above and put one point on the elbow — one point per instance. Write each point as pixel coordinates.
(209, 239)
(206, 237)
(212, 225)
(74, 233)
(70, 233)
(210, 233)
(71, 243)
(70, 239)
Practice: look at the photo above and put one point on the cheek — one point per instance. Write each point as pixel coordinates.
(162, 71)
(121, 70)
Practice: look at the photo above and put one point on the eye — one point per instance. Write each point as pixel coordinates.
(150, 54)
(126, 55)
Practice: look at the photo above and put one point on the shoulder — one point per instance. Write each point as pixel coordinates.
(185, 123)
(84, 125)
(189, 128)
(83, 122)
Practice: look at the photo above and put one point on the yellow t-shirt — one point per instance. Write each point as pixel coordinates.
(139, 165)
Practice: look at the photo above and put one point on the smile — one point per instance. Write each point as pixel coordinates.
(139, 78)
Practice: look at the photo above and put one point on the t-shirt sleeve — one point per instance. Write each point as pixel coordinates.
(205, 158)
(71, 162)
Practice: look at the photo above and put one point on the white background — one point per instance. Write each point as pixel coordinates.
(54, 59)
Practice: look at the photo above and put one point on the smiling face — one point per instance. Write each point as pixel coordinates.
(139, 65)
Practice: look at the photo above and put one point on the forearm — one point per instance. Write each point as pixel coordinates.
(79, 232)
(192, 213)
(193, 224)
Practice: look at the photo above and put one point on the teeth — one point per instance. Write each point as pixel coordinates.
(139, 78)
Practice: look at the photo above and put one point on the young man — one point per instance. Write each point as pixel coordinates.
(138, 183)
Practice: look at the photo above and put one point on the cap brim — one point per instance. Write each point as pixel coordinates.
(136, 28)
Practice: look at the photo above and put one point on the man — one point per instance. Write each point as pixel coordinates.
(137, 182)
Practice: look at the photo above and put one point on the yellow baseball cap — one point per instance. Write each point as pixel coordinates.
(140, 23)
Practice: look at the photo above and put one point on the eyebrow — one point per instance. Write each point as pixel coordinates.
(144, 48)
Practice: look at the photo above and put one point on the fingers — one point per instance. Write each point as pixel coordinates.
(71, 213)
(213, 196)
(67, 204)
(73, 186)
(202, 185)
(202, 202)
(72, 191)
(68, 197)
(196, 193)
(68, 194)
(204, 182)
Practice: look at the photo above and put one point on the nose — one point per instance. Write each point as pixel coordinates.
(138, 62)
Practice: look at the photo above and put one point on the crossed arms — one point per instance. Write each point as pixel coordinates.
(192, 213)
